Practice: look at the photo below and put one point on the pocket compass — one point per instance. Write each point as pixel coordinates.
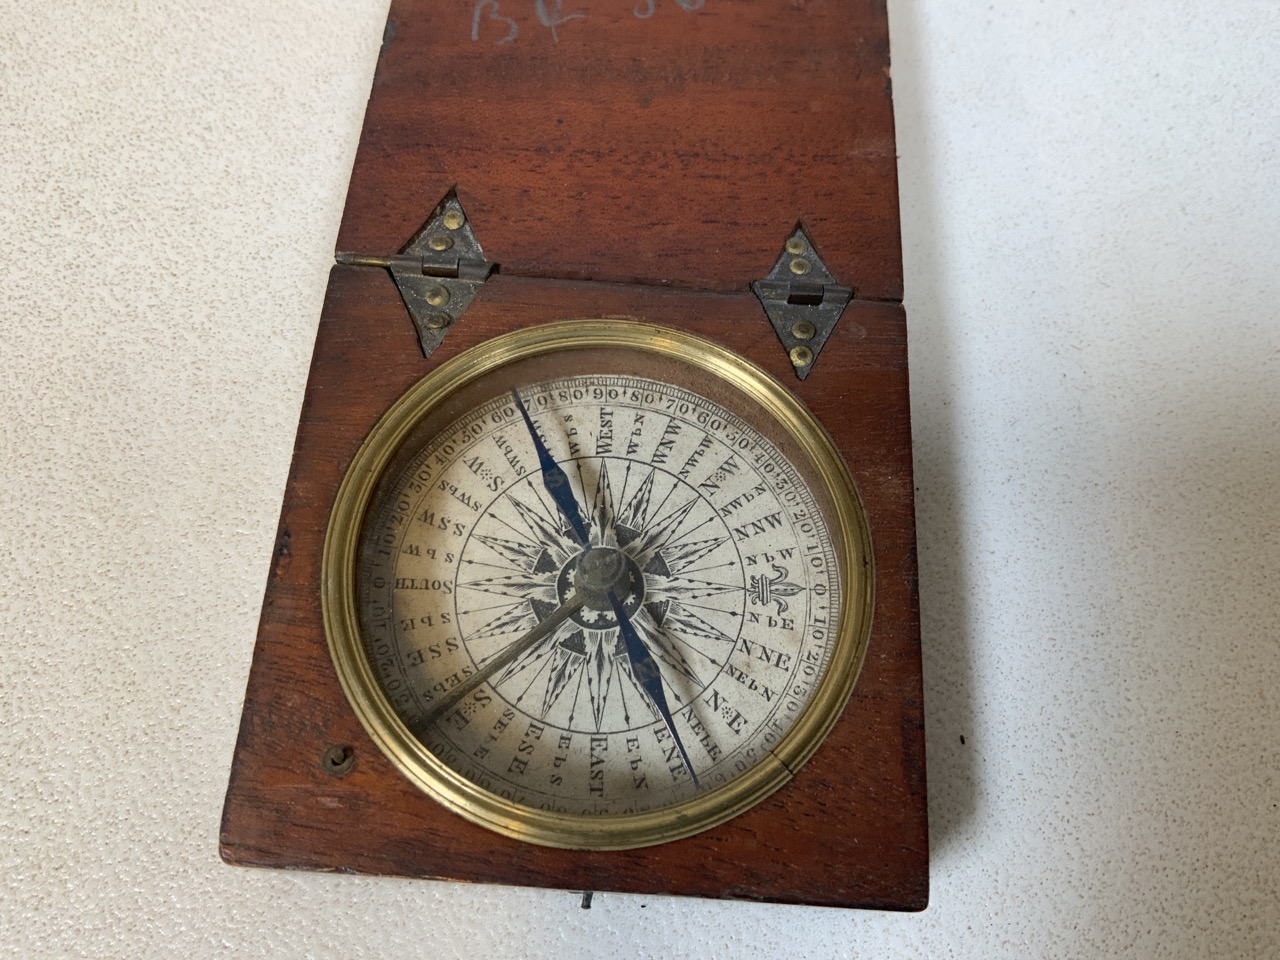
(597, 584)
(596, 562)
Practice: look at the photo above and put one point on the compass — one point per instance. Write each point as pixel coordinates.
(596, 564)
(598, 584)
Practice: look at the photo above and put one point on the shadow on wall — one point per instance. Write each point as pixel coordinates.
(1132, 472)
(943, 590)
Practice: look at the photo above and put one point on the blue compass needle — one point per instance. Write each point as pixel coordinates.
(646, 671)
(554, 478)
(643, 665)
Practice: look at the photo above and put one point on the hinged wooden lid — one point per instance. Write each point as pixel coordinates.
(654, 141)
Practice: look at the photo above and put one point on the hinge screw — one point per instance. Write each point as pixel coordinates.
(453, 219)
(440, 243)
(438, 321)
(437, 296)
(804, 330)
(795, 245)
(800, 266)
(801, 356)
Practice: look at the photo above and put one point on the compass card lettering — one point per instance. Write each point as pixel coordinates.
(727, 575)
(599, 585)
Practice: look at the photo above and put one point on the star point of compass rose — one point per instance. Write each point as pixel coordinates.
(673, 570)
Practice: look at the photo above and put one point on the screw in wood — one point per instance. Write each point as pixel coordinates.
(338, 759)
(800, 266)
(801, 356)
(453, 219)
(795, 245)
(803, 330)
(440, 243)
(437, 296)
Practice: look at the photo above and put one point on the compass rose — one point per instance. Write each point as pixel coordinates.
(679, 584)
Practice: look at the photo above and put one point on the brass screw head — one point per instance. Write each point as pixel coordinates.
(440, 243)
(437, 296)
(438, 321)
(803, 330)
(801, 356)
(800, 266)
(795, 245)
(453, 219)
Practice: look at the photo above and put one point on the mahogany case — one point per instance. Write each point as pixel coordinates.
(615, 158)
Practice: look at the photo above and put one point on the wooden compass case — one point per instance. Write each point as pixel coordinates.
(615, 158)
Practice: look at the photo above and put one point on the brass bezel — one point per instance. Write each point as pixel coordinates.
(339, 602)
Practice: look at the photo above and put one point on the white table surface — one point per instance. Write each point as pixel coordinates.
(1090, 204)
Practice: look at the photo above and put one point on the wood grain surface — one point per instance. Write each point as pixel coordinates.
(681, 148)
(641, 161)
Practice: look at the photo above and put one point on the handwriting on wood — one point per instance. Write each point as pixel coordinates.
(490, 22)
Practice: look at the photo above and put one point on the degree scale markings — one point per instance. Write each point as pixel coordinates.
(711, 607)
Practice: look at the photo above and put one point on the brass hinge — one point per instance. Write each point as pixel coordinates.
(802, 300)
(438, 272)
(455, 267)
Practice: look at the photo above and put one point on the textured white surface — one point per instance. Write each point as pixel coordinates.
(1090, 222)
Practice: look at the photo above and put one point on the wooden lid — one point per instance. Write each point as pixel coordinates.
(637, 140)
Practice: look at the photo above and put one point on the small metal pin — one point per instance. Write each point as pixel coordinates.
(803, 330)
(801, 356)
(362, 260)
(800, 266)
(453, 219)
(586, 899)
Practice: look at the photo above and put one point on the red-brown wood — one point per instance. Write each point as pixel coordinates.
(674, 152)
(679, 149)
(849, 830)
